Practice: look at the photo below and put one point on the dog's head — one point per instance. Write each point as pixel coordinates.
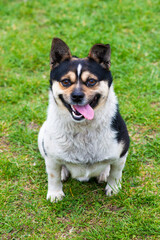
(80, 85)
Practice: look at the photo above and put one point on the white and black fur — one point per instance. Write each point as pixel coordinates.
(83, 148)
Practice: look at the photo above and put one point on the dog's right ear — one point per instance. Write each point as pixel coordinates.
(59, 52)
(101, 53)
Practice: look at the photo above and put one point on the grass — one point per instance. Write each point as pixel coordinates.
(26, 31)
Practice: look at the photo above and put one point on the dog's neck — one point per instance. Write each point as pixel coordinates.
(103, 114)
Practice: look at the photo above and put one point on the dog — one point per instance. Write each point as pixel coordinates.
(84, 135)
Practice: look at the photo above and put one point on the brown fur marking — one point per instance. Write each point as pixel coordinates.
(71, 75)
(85, 75)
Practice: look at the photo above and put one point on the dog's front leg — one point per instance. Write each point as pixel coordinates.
(115, 176)
(55, 192)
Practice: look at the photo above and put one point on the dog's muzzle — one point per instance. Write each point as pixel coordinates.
(77, 97)
(78, 110)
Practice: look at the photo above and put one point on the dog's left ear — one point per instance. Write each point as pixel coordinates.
(59, 52)
(101, 53)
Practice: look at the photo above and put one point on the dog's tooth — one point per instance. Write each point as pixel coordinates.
(72, 108)
(75, 115)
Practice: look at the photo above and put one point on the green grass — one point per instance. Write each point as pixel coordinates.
(26, 31)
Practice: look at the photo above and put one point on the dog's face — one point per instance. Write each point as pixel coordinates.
(80, 86)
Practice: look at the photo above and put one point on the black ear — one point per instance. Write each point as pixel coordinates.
(59, 52)
(101, 53)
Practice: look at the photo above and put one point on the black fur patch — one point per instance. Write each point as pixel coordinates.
(99, 71)
(119, 126)
(87, 65)
(44, 147)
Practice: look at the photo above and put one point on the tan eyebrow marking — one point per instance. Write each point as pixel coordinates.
(71, 75)
(85, 75)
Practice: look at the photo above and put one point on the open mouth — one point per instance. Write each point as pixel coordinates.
(79, 112)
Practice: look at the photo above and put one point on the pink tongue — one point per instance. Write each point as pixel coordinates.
(85, 110)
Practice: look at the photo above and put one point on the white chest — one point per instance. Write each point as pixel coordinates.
(83, 146)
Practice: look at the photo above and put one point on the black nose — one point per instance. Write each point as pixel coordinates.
(77, 96)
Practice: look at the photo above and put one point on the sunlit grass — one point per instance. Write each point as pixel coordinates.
(26, 31)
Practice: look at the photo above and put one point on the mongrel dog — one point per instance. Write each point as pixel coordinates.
(84, 134)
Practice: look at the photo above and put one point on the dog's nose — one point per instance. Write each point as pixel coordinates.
(77, 96)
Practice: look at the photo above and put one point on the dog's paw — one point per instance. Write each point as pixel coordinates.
(55, 196)
(112, 189)
(83, 179)
(64, 174)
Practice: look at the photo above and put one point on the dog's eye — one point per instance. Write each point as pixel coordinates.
(66, 82)
(91, 82)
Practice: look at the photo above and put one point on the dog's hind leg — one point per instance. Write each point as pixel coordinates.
(115, 176)
(64, 174)
(104, 175)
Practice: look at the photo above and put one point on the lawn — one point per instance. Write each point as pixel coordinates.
(26, 31)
